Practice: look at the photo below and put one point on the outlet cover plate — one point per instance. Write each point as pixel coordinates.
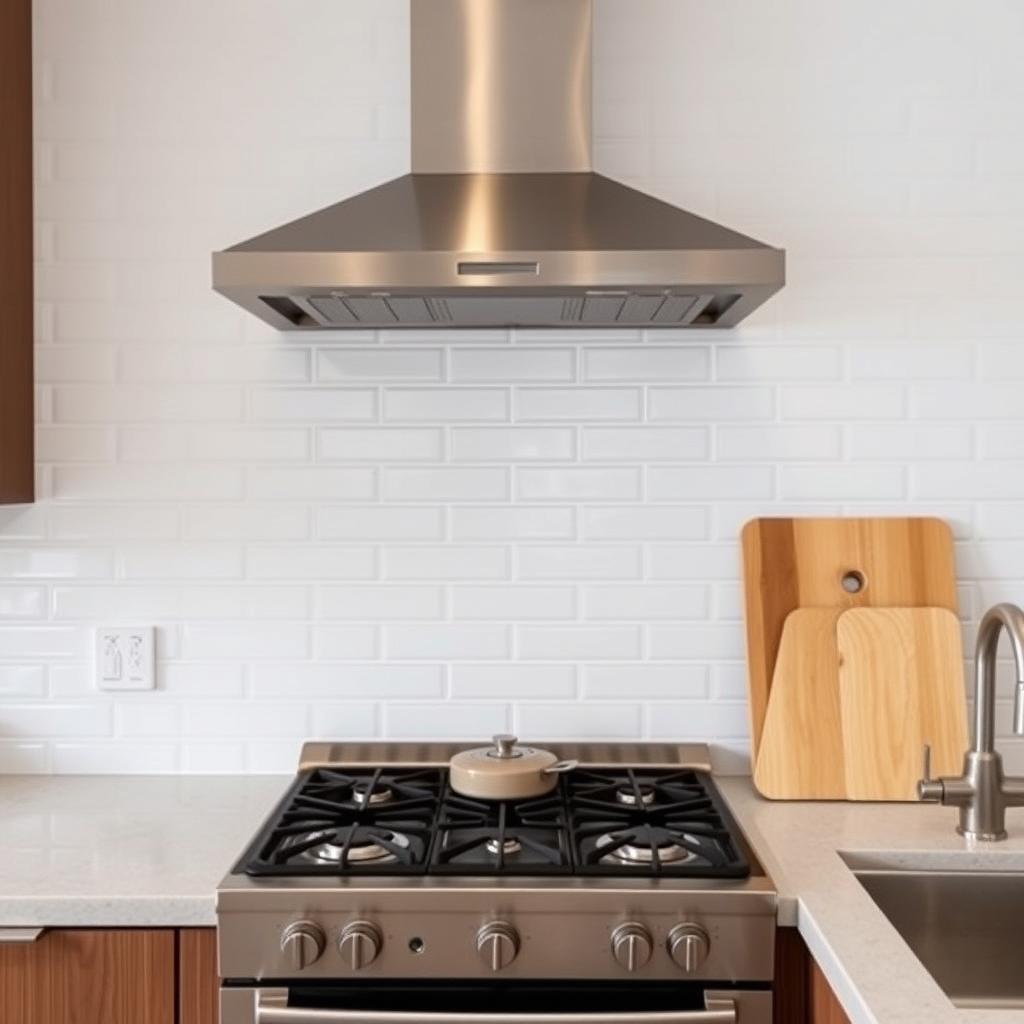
(126, 658)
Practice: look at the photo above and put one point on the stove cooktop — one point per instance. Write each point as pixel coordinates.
(601, 822)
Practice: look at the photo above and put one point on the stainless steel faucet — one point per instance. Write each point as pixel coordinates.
(983, 793)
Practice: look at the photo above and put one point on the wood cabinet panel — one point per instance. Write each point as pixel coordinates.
(802, 994)
(17, 456)
(197, 976)
(824, 1006)
(89, 977)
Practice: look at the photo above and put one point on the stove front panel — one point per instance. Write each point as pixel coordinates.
(514, 934)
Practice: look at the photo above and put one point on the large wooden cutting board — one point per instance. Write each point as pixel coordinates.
(901, 686)
(801, 755)
(793, 563)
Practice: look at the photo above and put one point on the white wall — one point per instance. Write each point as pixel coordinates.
(408, 535)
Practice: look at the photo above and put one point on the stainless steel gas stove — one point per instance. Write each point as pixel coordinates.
(376, 894)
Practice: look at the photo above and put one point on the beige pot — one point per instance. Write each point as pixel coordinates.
(506, 771)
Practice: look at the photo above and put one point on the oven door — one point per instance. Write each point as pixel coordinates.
(523, 1003)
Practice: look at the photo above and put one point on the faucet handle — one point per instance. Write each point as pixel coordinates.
(929, 789)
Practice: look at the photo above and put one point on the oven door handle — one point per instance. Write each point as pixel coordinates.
(272, 1008)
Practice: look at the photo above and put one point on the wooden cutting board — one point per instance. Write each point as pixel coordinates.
(793, 563)
(901, 685)
(801, 755)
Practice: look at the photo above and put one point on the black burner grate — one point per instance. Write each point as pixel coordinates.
(506, 838)
(331, 822)
(614, 822)
(633, 822)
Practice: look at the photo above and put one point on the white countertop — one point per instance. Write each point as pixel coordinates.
(123, 851)
(801, 845)
(149, 851)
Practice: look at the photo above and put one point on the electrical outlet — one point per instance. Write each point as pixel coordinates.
(125, 658)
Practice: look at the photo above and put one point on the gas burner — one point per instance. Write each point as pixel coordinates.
(641, 854)
(379, 847)
(508, 847)
(648, 821)
(335, 822)
(364, 794)
(512, 837)
(631, 796)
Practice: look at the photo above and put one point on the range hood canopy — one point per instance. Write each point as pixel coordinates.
(502, 222)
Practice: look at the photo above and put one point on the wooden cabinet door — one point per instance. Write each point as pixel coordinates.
(198, 987)
(17, 459)
(89, 977)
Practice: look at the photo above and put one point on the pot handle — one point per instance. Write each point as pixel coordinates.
(560, 767)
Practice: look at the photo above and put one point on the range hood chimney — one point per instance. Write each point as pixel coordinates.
(502, 221)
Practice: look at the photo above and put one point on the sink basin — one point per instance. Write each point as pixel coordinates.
(963, 926)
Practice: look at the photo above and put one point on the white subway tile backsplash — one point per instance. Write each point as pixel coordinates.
(445, 483)
(447, 562)
(314, 562)
(379, 364)
(509, 603)
(514, 681)
(645, 682)
(779, 444)
(22, 602)
(578, 404)
(312, 405)
(498, 365)
(315, 483)
(512, 444)
(710, 404)
(591, 562)
(581, 720)
(651, 444)
(22, 681)
(440, 533)
(647, 522)
(455, 720)
(512, 523)
(446, 641)
(778, 362)
(242, 642)
(614, 483)
(646, 602)
(56, 563)
(445, 405)
(343, 681)
(646, 363)
(694, 483)
(580, 643)
(381, 444)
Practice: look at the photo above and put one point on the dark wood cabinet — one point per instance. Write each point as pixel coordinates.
(802, 993)
(84, 975)
(197, 976)
(17, 452)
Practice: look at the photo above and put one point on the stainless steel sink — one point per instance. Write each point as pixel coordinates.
(963, 926)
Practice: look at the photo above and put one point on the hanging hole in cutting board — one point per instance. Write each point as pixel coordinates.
(853, 582)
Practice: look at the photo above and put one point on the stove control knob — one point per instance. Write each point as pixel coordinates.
(631, 946)
(359, 944)
(498, 944)
(689, 945)
(303, 943)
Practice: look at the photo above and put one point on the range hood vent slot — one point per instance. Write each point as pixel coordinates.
(628, 309)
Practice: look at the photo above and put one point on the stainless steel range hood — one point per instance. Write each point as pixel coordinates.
(502, 222)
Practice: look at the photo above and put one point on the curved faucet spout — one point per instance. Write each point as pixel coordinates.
(997, 618)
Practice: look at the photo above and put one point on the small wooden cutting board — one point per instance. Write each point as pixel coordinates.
(901, 686)
(801, 752)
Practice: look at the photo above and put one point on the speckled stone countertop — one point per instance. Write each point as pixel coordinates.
(807, 848)
(123, 851)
